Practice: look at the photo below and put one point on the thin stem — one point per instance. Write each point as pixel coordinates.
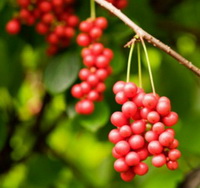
(139, 66)
(129, 63)
(149, 38)
(149, 65)
(92, 9)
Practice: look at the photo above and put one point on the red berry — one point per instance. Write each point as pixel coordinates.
(143, 153)
(102, 61)
(101, 74)
(89, 60)
(129, 109)
(85, 107)
(121, 98)
(85, 87)
(125, 131)
(172, 165)
(114, 136)
(138, 126)
(83, 39)
(45, 6)
(158, 128)
(92, 80)
(115, 154)
(118, 86)
(159, 160)
(130, 89)
(127, 176)
(166, 139)
(150, 101)
(138, 99)
(136, 141)
(154, 147)
(86, 26)
(118, 119)
(132, 158)
(93, 95)
(174, 144)
(84, 73)
(97, 48)
(76, 91)
(150, 136)
(120, 165)
(171, 119)
(23, 3)
(101, 87)
(95, 33)
(42, 28)
(153, 117)
(144, 112)
(163, 108)
(13, 27)
(108, 53)
(122, 147)
(101, 22)
(174, 154)
(140, 169)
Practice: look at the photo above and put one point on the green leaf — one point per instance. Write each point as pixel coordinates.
(3, 132)
(42, 171)
(61, 73)
(97, 119)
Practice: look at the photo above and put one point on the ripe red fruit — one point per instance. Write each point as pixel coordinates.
(138, 126)
(89, 60)
(159, 160)
(122, 147)
(42, 28)
(144, 112)
(130, 89)
(83, 39)
(166, 139)
(76, 91)
(45, 6)
(141, 169)
(129, 109)
(153, 117)
(118, 119)
(118, 86)
(150, 136)
(138, 99)
(150, 101)
(93, 95)
(154, 147)
(85, 87)
(114, 136)
(174, 154)
(174, 144)
(108, 53)
(86, 26)
(132, 158)
(92, 80)
(172, 165)
(120, 97)
(171, 119)
(101, 74)
(101, 22)
(158, 128)
(120, 165)
(95, 33)
(97, 48)
(125, 131)
(85, 107)
(13, 27)
(102, 61)
(128, 175)
(163, 108)
(136, 141)
(143, 153)
(115, 154)
(84, 73)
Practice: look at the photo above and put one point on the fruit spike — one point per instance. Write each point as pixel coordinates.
(142, 130)
(53, 19)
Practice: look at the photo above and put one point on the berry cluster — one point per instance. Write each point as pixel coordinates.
(55, 19)
(120, 4)
(92, 30)
(142, 131)
(96, 58)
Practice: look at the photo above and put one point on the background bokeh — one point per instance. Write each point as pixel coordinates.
(45, 144)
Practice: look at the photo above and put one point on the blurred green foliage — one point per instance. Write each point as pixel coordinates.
(77, 153)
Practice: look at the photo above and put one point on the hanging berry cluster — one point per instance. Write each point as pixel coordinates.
(142, 130)
(55, 19)
(120, 4)
(96, 59)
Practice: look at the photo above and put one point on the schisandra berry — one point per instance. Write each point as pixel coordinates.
(142, 131)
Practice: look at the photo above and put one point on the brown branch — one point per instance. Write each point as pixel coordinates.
(152, 40)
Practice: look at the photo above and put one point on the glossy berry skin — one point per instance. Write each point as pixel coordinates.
(122, 147)
(158, 128)
(118, 119)
(125, 131)
(114, 136)
(154, 147)
(163, 108)
(153, 117)
(166, 139)
(143, 153)
(77, 91)
(121, 98)
(171, 119)
(159, 160)
(127, 176)
(85, 107)
(13, 27)
(120, 165)
(129, 109)
(141, 169)
(115, 154)
(136, 142)
(130, 89)
(150, 136)
(138, 126)
(132, 158)
(174, 154)
(118, 86)
(149, 101)
(83, 39)
(172, 165)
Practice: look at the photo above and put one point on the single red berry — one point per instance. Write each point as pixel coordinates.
(72, 20)
(171, 119)
(159, 160)
(163, 108)
(125, 131)
(85, 87)
(87, 107)
(76, 91)
(23, 3)
(42, 28)
(45, 6)
(150, 136)
(121, 98)
(120, 165)
(101, 22)
(92, 80)
(174, 154)
(127, 176)
(93, 95)
(138, 99)
(83, 39)
(118, 119)
(89, 60)
(86, 26)
(52, 38)
(172, 165)
(122, 147)
(136, 141)
(164, 99)
(154, 147)
(118, 86)
(114, 136)
(141, 169)
(130, 89)
(138, 127)
(101, 87)
(129, 109)
(158, 128)
(48, 18)
(174, 144)
(132, 158)
(95, 33)
(101, 74)
(143, 153)
(13, 27)
(69, 32)
(153, 117)
(150, 101)
(169, 130)
(97, 48)
(108, 53)
(115, 154)
(166, 138)
(102, 61)
(144, 112)
(84, 73)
